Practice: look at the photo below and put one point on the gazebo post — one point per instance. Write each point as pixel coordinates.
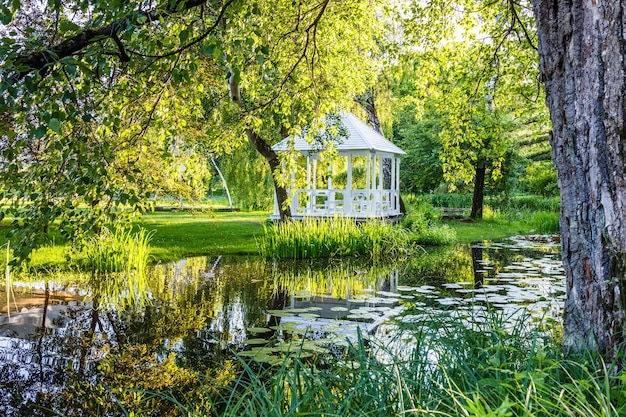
(368, 171)
(308, 184)
(379, 194)
(330, 203)
(347, 199)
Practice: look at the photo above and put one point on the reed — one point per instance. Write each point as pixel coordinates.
(336, 237)
(442, 365)
(8, 280)
(117, 260)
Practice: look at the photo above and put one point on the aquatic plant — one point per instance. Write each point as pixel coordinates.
(118, 250)
(335, 237)
(117, 260)
(439, 366)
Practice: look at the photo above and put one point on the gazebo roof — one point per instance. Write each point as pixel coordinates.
(361, 137)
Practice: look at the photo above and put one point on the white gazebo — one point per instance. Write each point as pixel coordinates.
(362, 181)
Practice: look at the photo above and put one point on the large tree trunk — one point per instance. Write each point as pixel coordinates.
(582, 54)
(479, 192)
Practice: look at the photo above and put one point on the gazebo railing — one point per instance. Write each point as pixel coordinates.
(350, 203)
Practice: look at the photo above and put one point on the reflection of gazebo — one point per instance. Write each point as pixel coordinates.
(361, 182)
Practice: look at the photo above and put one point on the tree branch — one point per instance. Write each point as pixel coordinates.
(194, 41)
(40, 61)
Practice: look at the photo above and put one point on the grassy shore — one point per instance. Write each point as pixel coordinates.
(177, 234)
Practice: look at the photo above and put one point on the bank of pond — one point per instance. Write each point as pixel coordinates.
(468, 330)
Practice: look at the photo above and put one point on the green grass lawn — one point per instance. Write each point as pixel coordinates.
(180, 234)
(176, 234)
(469, 232)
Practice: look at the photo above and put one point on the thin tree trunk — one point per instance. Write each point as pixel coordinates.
(366, 101)
(479, 192)
(582, 54)
(273, 160)
(266, 151)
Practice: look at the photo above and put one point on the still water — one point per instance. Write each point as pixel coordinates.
(198, 311)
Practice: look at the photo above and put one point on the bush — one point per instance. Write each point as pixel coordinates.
(434, 234)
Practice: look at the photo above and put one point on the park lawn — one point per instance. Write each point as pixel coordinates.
(180, 234)
(479, 231)
(176, 234)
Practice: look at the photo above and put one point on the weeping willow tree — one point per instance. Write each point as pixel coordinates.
(249, 179)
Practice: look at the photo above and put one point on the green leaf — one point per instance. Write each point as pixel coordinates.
(54, 125)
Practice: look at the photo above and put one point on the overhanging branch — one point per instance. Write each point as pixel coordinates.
(40, 61)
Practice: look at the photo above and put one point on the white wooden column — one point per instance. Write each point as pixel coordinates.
(294, 194)
(330, 203)
(308, 172)
(379, 192)
(397, 186)
(348, 196)
(368, 170)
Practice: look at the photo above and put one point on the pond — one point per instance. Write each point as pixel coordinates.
(192, 314)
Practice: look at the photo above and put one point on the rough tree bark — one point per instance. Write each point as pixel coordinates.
(582, 53)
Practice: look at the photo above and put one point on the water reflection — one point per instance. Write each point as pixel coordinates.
(62, 336)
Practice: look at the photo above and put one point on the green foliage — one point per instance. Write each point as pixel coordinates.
(466, 95)
(249, 179)
(540, 178)
(422, 224)
(91, 130)
(326, 238)
(422, 167)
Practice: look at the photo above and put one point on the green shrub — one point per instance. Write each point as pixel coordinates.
(540, 178)
(434, 234)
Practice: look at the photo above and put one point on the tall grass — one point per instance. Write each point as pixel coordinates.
(440, 366)
(327, 238)
(118, 260)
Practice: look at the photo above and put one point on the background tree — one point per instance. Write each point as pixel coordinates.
(474, 73)
(290, 64)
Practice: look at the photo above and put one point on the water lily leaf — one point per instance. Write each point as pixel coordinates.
(257, 329)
